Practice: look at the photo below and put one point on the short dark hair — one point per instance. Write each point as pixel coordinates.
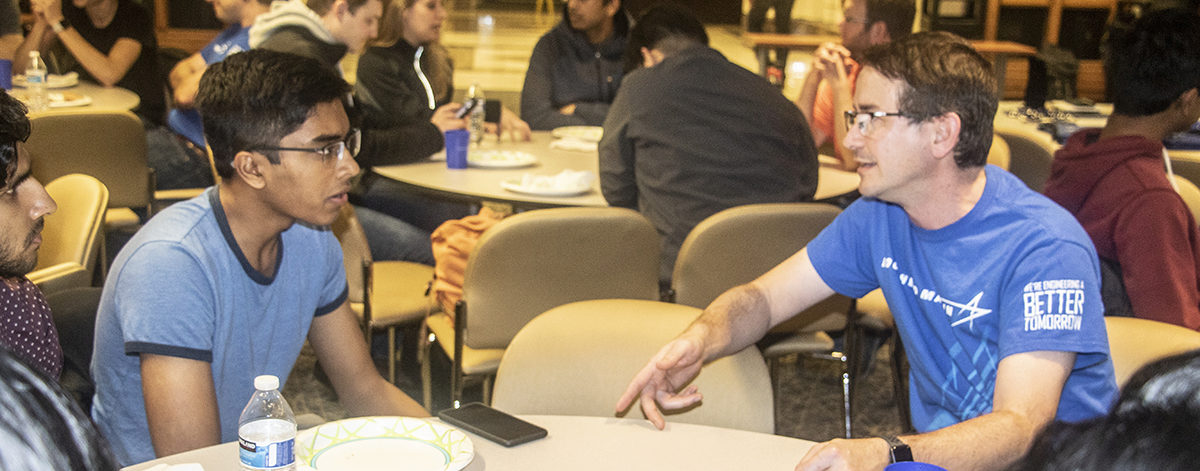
(1152, 427)
(668, 26)
(256, 98)
(43, 428)
(321, 7)
(14, 128)
(1149, 65)
(896, 14)
(942, 73)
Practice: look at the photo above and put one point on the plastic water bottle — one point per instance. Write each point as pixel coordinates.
(35, 82)
(475, 123)
(267, 429)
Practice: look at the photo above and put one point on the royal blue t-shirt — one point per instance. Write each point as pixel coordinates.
(186, 122)
(1016, 274)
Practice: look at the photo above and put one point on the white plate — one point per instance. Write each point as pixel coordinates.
(380, 443)
(68, 99)
(500, 159)
(583, 133)
(52, 80)
(515, 186)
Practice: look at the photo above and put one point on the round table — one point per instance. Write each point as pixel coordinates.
(103, 98)
(592, 443)
(476, 185)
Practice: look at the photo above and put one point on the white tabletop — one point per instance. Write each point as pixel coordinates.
(483, 184)
(103, 98)
(593, 443)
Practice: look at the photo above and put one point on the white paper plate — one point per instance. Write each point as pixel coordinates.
(500, 159)
(68, 99)
(515, 186)
(583, 133)
(382, 443)
(52, 80)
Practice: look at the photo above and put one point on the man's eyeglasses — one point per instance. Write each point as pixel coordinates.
(335, 151)
(850, 19)
(867, 121)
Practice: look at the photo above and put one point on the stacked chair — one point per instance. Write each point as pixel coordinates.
(1134, 343)
(528, 264)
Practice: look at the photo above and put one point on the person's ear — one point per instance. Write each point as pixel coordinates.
(612, 7)
(248, 167)
(946, 132)
(878, 33)
(341, 8)
(1188, 103)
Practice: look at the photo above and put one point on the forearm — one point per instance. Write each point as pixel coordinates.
(37, 40)
(379, 397)
(1008, 436)
(735, 320)
(400, 144)
(592, 113)
(808, 94)
(102, 67)
(9, 44)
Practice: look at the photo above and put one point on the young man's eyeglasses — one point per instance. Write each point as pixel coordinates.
(867, 121)
(335, 151)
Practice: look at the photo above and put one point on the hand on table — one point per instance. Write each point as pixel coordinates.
(864, 454)
(445, 120)
(513, 126)
(567, 110)
(659, 381)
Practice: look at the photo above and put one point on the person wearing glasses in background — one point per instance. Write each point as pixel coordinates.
(829, 84)
(994, 288)
(226, 286)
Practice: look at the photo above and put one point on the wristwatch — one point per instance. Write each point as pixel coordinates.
(60, 25)
(900, 450)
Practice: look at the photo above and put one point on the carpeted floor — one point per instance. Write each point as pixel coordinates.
(809, 405)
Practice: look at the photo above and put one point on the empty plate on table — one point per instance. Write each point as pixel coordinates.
(500, 159)
(565, 183)
(583, 133)
(52, 80)
(68, 99)
(381, 443)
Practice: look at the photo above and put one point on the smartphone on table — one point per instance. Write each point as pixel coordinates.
(492, 424)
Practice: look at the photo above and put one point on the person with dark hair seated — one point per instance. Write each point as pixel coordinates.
(42, 428)
(26, 326)
(1153, 426)
(1113, 180)
(221, 288)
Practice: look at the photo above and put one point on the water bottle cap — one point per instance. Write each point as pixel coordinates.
(266, 382)
(34, 54)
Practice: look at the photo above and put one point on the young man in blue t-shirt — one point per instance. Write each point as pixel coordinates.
(185, 76)
(226, 286)
(995, 289)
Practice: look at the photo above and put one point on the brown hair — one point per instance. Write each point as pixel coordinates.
(435, 61)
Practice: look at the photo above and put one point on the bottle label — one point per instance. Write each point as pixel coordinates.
(267, 455)
(34, 78)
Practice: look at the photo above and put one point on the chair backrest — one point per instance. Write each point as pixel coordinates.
(578, 358)
(1134, 343)
(72, 235)
(735, 246)
(999, 154)
(1030, 154)
(355, 251)
(109, 145)
(1190, 194)
(536, 260)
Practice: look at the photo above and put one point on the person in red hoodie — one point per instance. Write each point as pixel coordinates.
(1114, 179)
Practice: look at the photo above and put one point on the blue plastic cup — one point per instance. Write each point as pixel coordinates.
(913, 466)
(457, 142)
(6, 74)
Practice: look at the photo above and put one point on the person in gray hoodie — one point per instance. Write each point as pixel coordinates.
(323, 29)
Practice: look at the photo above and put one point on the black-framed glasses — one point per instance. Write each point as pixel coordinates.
(333, 152)
(866, 121)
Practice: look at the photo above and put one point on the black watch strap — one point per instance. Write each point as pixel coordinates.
(900, 450)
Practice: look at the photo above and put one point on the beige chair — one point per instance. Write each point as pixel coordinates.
(385, 294)
(1190, 194)
(109, 145)
(735, 246)
(578, 358)
(72, 238)
(1134, 343)
(1030, 154)
(529, 263)
(999, 154)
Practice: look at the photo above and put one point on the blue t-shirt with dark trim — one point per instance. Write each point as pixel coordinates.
(1016, 274)
(181, 287)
